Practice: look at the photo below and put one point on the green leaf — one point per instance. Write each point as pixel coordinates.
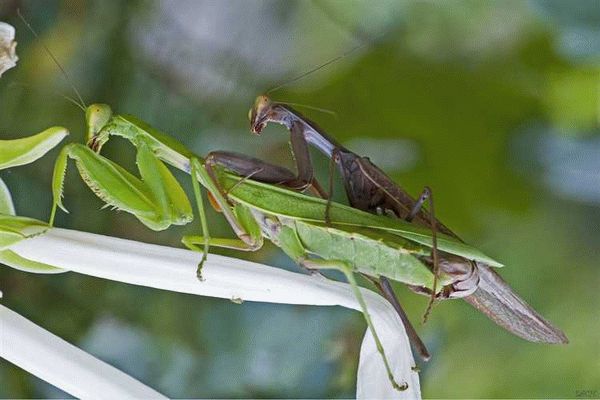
(26, 150)
(13, 229)
(15, 261)
(6, 203)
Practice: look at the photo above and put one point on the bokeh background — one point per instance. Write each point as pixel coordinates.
(493, 104)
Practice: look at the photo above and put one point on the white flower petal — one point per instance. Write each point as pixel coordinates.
(225, 277)
(8, 56)
(63, 365)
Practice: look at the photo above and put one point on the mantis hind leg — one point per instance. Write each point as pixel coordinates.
(384, 286)
(348, 272)
(427, 195)
(242, 224)
(332, 161)
(205, 239)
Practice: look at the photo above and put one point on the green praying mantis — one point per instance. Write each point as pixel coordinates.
(245, 190)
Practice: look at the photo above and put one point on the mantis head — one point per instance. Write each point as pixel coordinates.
(259, 114)
(96, 117)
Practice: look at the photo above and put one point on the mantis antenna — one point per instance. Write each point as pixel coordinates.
(319, 109)
(321, 66)
(69, 81)
(55, 93)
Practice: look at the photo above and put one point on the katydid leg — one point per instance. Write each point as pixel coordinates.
(195, 165)
(209, 179)
(348, 272)
(197, 243)
(192, 241)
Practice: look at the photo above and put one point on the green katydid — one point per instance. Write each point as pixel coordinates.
(353, 241)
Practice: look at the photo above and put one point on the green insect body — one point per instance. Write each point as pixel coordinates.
(133, 129)
(368, 252)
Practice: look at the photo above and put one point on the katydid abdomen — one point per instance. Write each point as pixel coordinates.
(376, 253)
(371, 255)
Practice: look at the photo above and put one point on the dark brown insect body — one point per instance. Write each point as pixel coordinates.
(370, 189)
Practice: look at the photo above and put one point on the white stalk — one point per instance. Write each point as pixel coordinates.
(230, 278)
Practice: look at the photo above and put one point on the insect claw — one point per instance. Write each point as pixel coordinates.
(398, 387)
(429, 308)
(199, 269)
(199, 274)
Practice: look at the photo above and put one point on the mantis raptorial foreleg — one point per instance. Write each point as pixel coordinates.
(157, 199)
(305, 176)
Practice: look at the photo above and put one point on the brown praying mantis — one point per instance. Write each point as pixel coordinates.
(368, 188)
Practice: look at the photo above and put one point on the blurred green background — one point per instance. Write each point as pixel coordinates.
(492, 104)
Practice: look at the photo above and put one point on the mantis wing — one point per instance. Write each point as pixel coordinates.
(500, 303)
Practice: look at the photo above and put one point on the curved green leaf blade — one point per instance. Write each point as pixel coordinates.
(13, 229)
(6, 203)
(26, 150)
(12, 259)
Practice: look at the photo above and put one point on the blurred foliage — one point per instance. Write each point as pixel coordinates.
(459, 85)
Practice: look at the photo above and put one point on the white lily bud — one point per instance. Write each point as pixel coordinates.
(8, 54)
